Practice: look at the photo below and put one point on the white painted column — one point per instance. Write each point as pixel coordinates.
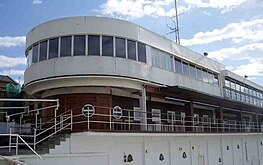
(143, 109)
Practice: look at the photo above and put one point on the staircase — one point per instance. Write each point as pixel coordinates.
(42, 148)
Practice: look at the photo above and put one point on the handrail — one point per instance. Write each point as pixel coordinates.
(52, 126)
(29, 146)
(58, 116)
(16, 146)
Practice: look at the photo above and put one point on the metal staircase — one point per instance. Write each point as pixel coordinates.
(35, 140)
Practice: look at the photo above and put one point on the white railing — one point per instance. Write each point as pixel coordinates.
(16, 146)
(127, 122)
(36, 138)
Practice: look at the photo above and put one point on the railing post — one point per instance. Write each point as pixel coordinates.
(16, 145)
(55, 120)
(71, 120)
(129, 119)
(34, 143)
(110, 118)
(88, 120)
(10, 139)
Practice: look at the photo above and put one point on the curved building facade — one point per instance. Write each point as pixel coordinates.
(109, 62)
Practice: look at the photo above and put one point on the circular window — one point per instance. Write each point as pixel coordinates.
(117, 112)
(88, 110)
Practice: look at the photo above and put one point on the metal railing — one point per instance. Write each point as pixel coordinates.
(16, 144)
(101, 118)
(105, 120)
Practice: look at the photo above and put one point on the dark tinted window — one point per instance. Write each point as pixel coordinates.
(131, 50)
(107, 46)
(43, 51)
(141, 52)
(120, 47)
(79, 45)
(65, 48)
(185, 68)
(35, 54)
(178, 66)
(94, 45)
(53, 48)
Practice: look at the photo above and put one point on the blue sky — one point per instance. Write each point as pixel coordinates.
(231, 31)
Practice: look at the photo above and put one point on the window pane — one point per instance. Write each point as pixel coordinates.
(233, 94)
(192, 71)
(29, 58)
(65, 48)
(131, 50)
(210, 77)
(178, 66)
(215, 80)
(120, 47)
(185, 68)
(168, 61)
(141, 52)
(35, 54)
(227, 93)
(205, 76)
(53, 48)
(238, 87)
(94, 45)
(227, 83)
(199, 74)
(79, 45)
(43, 51)
(242, 89)
(233, 85)
(107, 46)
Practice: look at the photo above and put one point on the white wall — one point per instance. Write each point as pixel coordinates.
(181, 149)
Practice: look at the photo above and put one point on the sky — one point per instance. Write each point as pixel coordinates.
(230, 31)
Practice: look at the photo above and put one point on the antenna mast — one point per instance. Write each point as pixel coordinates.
(177, 38)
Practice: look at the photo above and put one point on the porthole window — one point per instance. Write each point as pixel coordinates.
(88, 110)
(117, 112)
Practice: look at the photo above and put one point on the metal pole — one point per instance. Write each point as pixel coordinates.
(177, 23)
(88, 120)
(35, 132)
(110, 119)
(71, 120)
(10, 139)
(16, 145)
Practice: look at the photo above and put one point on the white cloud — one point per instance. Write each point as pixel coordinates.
(8, 41)
(224, 5)
(206, 13)
(37, 1)
(251, 31)
(6, 62)
(12, 72)
(250, 51)
(133, 9)
(252, 69)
